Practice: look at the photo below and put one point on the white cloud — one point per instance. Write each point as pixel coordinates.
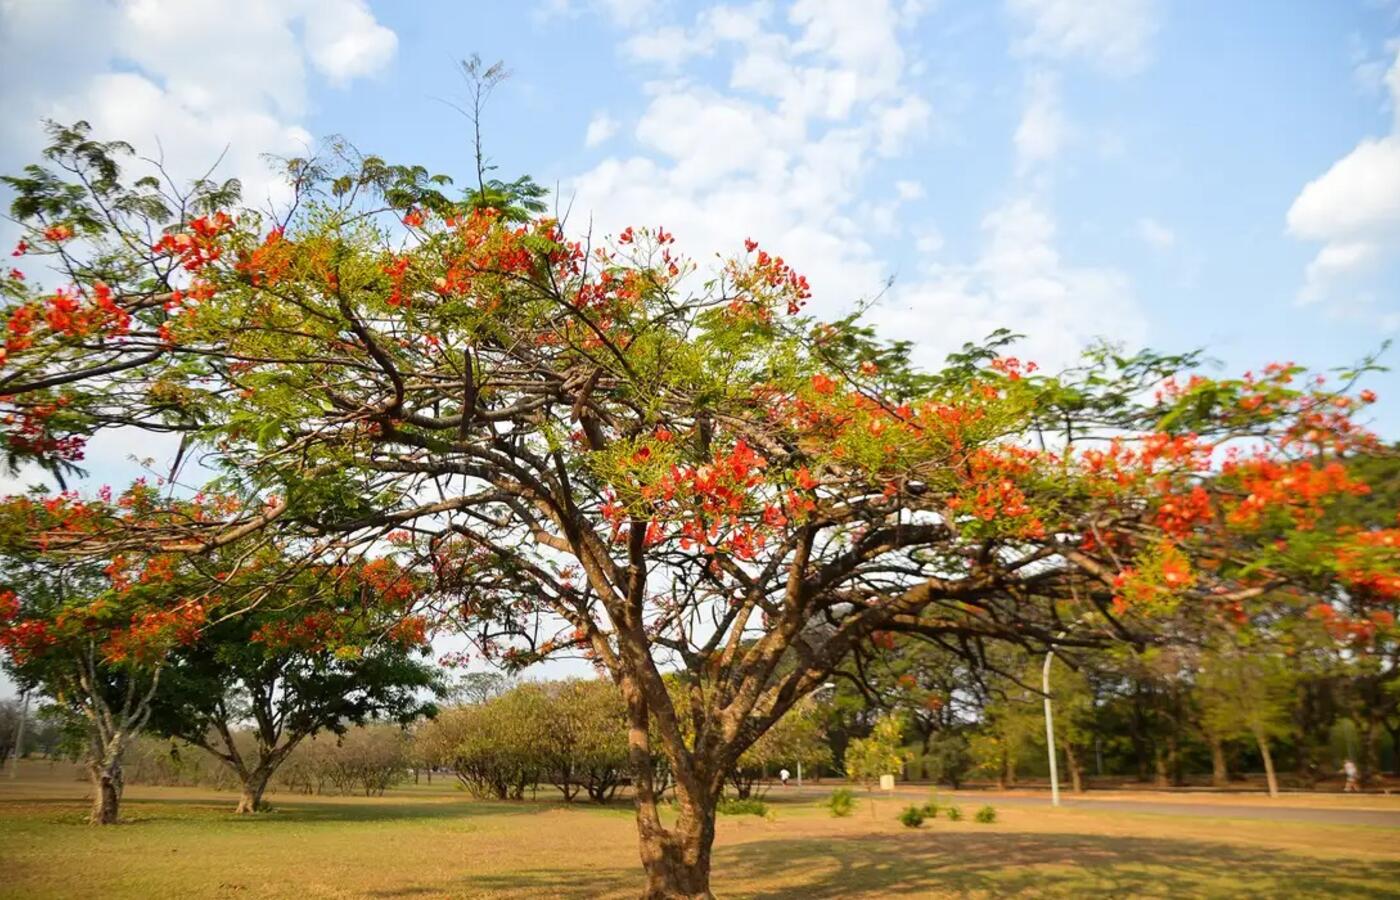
(1042, 130)
(345, 42)
(1114, 35)
(909, 190)
(600, 128)
(189, 79)
(1353, 209)
(781, 148)
(777, 147)
(1018, 281)
(1156, 234)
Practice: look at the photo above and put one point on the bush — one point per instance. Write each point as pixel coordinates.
(842, 802)
(954, 814)
(930, 808)
(947, 759)
(986, 815)
(912, 817)
(746, 806)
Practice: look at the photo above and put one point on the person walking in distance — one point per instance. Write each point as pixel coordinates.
(783, 776)
(1349, 770)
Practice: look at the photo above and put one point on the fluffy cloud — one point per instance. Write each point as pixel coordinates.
(1155, 234)
(1114, 35)
(780, 148)
(189, 79)
(1353, 209)
(1042, 130)
(600, 129)
(345, 42)
(1019, 281)
(783, 144)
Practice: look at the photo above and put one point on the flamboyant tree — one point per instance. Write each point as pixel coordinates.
(97, 650)
(583, 445)
(330, 649)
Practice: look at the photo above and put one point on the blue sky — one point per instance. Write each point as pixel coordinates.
(1177, 174)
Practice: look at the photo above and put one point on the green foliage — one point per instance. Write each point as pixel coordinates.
(742, 806)
(948, 758)
(954, 813)
(986, 815)
(842, 802)
(571, 734)
(1247, 692)
(911, 817)
(799, 737)
(879, 754)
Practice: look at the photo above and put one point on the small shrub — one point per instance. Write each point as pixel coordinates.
(842, 802)
(954, 814)
(986, 815)
(930, 810)
(912, 817)
(733, 806)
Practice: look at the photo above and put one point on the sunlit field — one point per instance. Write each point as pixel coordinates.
(432, 841)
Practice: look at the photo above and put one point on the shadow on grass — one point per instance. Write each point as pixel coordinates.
(995, 864)
(287, 808)
(605, 882)
(1069, 864)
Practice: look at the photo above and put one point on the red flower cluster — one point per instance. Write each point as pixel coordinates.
(1296, 489)
(28, 433)
(152, 633)
(199, 246)
(314, 631)
(267, 264)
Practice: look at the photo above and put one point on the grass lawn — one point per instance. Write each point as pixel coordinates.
(433, 842)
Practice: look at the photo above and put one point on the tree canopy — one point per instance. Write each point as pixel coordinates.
(563, 442)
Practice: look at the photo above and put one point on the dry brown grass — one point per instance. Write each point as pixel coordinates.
(433, 842)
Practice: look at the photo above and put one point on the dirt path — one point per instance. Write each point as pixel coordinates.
(1208, 806)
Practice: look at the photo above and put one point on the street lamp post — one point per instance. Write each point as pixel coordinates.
(1050, 715)
(1050, 727)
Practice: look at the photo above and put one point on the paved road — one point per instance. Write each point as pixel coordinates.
(1341, 815)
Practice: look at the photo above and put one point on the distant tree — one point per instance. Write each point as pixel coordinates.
(1012, 722)
(796, 738)
(1247, 692)
(499, 748)
(11, 713)
(587, 749)
(477, 687)
(366, 759)
(95, 650)
(1075, 717)
(332, 650)
(879, 754)
(948, 757)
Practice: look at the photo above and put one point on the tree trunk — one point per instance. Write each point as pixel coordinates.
(106, 792)
(1076, 771)
(1219, 771)
(1370, 749)
(1174, 760)
(1269, 776)
(1159, 760)
(251, 799)
(676, 860)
